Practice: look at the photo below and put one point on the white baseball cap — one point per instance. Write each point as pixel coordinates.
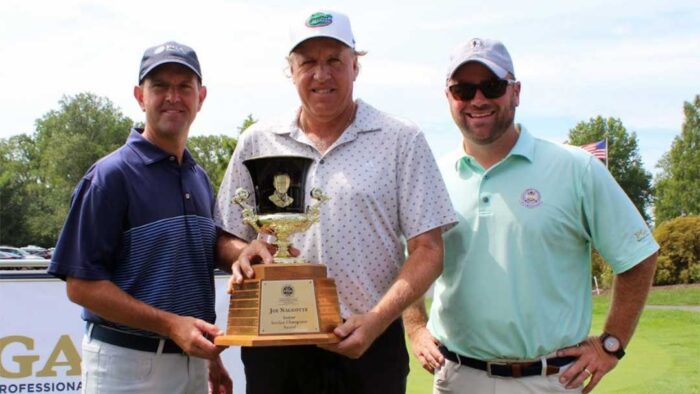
(321, 23)
(491, 53)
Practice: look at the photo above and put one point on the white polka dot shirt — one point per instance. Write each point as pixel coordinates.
(384, 187)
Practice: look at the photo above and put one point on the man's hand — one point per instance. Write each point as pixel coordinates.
(219, 380)
(593, 362)
(425, 348)
(357, 333)
(189, 333)
(255, 253)
(630, 290)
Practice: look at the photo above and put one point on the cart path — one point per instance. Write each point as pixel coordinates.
(691, 308)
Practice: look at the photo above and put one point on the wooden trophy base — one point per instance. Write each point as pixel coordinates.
(284, 304)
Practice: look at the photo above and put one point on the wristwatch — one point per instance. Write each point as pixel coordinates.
(612, 345)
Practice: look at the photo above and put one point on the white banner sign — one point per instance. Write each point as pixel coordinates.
(41, 332)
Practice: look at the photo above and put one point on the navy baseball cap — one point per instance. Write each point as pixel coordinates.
(169, 52)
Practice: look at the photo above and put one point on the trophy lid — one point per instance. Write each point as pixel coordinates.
(279, 182)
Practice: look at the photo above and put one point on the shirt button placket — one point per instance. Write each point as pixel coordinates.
(484, 196)
(185, 188)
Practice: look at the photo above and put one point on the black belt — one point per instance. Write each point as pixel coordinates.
(514, 369)
(131, 341)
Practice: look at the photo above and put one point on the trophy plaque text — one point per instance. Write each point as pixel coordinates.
(289, 302)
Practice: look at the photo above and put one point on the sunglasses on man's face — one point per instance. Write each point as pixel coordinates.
(491, 89)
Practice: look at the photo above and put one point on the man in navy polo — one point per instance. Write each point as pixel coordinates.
(137, 248)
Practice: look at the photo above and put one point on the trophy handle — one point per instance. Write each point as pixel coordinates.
(248, 213)
(282, 227)
(313, 211)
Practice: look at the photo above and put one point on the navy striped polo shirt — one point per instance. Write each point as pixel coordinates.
(144, 222)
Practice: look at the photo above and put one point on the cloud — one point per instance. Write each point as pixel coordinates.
(636, 60)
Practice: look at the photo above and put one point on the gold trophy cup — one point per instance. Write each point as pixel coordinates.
(288, 302)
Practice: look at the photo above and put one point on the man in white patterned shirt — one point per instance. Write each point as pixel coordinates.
(385, 188)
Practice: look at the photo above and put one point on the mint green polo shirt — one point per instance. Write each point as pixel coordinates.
(517, 275)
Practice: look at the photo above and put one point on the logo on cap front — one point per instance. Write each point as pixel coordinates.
(170, 48)
(319, 19)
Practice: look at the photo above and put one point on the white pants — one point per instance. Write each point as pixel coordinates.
(459, 379)
(114, 369)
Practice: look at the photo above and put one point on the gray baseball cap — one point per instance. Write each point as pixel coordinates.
(169, 52)
(491, 53)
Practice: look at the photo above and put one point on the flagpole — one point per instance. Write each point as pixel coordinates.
(607, 149)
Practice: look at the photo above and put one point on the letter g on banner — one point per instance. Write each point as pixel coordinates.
(25, 362)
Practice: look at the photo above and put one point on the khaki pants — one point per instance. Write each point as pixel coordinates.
(458, 379)
(109, 369)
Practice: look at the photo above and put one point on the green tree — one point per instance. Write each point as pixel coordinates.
(679, 259)
(624, 161)
(678, 184)
(213, 153)
(69, 140)
(18, 158)
(247, 122)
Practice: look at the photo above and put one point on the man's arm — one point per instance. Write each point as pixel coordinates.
(630, 290)
(228, 248)
(424, 264)
(423, 344)
(107, 300)
(219, 380)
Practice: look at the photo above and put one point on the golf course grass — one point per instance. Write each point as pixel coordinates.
(663, 357)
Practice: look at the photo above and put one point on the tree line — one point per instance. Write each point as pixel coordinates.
(39, 171)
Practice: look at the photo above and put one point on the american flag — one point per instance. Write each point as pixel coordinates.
(599, 149)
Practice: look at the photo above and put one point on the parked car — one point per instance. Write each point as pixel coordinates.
(37, 250)
(19, 252)
(9, 256)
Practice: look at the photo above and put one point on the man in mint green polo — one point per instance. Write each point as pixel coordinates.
(511, 311)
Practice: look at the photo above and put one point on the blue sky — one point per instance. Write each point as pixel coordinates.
(635, 60)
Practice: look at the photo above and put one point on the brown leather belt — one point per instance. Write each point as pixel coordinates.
(509, 369)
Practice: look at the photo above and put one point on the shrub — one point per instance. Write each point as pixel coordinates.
(679, 257)
(601, 270)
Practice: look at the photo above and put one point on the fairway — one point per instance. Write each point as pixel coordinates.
(664, 356)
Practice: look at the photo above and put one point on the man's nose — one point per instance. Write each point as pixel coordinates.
(172, 95)
(479, 97)
(322, 72)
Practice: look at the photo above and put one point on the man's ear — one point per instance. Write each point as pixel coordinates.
(355, 68)
(138, 95)
(202, 96)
